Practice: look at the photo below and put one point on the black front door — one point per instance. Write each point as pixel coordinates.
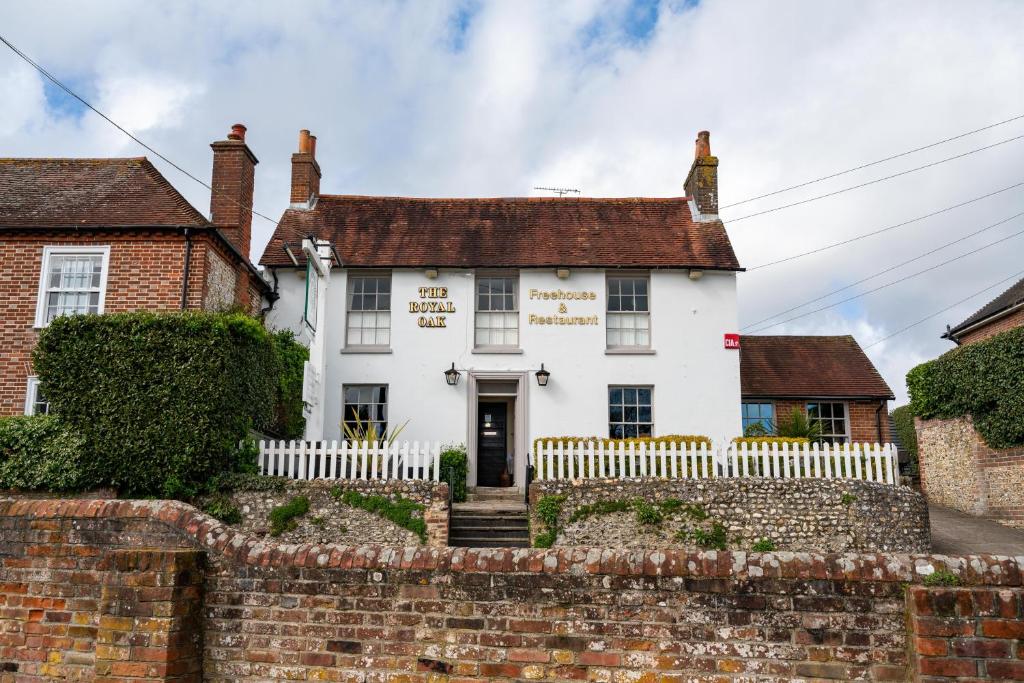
(490, 444)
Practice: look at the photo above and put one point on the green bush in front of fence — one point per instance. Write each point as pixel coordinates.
(984, 380)
(161, 400)
(39, 453)
(292, 356)
(903, 420)
(455, 469)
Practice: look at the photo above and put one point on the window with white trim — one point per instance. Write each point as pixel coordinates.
(630, 412)
(629, 313)
(73, 280)
(497, 311)
(365, 409)
(35, 402)
(369, 310)
(831, 415)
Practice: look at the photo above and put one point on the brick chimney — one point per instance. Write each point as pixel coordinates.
(305, 173)
(702, 182)
(234, 167)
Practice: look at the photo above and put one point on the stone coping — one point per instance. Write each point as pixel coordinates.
(240, 548)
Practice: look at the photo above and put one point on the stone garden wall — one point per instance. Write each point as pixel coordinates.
(109, 590)
(959, 470)
(823, 515)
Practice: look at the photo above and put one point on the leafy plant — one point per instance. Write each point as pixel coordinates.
(318, 521)
(764, 545)
(40, 453)
(715, 538)
(368, 431)
(222, 508)
(984, 380)
(455, 469)
(756, 429)
(545, 539)
(160, 400)
(405, 513)
(601, 507)
(289, 421)
(547, 510)
(942, 577)
(848, 499)
(903, 421)
(695, 512)
(284, 517)
(647, 513)
(798, 425)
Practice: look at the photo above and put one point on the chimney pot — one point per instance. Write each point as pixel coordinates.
(703, 146)
(237, 132)
(304, 141)
(312, 146)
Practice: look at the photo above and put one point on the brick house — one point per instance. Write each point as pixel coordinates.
(830, 379)
(113, 235)
(1003, 313)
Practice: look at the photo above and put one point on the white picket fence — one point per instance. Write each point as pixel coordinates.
(582, 460)
(350, 459)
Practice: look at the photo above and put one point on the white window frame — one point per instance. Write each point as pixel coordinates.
(608, 408)
(356, 274)
(83, 249)
(846, 418)
(361, 385)
(496, 274)
(31, 396)
(626, 275)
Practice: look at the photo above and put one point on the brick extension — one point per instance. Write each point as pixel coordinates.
(370, 613)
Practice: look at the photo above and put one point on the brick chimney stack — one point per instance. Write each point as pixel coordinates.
(702, 182)
(305, 173)
(234, 168)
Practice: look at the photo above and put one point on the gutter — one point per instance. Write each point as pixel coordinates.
(954, 334)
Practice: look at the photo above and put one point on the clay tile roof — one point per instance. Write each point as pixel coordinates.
(509, 232)
(89, 192)
(1011, 297)
(808, 367)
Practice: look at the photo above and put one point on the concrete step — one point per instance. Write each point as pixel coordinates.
(489, 542)
(491, 493)
(486, 521)
(503, 530)
(492, 507)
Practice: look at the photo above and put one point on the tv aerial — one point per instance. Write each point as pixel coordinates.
(561, 191)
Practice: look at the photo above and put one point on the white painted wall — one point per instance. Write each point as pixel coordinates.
(696, 380)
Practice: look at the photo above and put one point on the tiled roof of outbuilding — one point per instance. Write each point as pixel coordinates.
(805, 367)
(507, 232)
(1011, 297)
(89, 192)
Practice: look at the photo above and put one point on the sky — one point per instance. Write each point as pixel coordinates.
(472, 98)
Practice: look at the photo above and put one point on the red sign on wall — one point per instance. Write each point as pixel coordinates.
(732, 341)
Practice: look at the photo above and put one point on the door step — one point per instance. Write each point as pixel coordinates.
(489, 524)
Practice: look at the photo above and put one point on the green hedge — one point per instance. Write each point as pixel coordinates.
(984, 380)
(454, 470)
(39, 453)
(903, 420)
(288, 420)
(160, 400)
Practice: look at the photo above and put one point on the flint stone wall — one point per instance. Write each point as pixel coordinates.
(103, 590)
(796, 514)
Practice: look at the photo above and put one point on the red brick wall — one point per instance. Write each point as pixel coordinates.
(964, 633)
(993, 328)
(861, 414)
(145, 273)
(73, 602)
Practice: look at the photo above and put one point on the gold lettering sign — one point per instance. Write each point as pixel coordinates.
(433, 300)
(563, 297)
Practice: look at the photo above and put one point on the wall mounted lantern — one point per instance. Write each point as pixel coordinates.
(543, 376)
(451, 376)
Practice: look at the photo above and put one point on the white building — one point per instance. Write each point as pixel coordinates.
(627, 303)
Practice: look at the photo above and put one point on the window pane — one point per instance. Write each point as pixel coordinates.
(369, 310)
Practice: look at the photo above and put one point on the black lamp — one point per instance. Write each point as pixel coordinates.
(543, 376)
(452, 375)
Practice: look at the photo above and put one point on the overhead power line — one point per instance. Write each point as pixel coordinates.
(953, 305)
(875, 163)
(887, 270)
(881, 230)
(875, 181)
(53, 79)
(890, 284)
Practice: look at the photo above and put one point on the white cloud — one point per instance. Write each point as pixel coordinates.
(559, 93)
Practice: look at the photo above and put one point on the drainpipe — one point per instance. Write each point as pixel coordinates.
(878, 419)
(187, 268)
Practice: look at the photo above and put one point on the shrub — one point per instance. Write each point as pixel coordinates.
(715, 538)
(798, 425)
(403, 512)
(764, 545)
(548, 509)
(848, 499)
(455, 469)
(647, 513)
(903, 421)
(292, 356)
(220, 507)
(984, 380)
(39, 453)
(770, 440)
(161, 400)
(284, 517)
